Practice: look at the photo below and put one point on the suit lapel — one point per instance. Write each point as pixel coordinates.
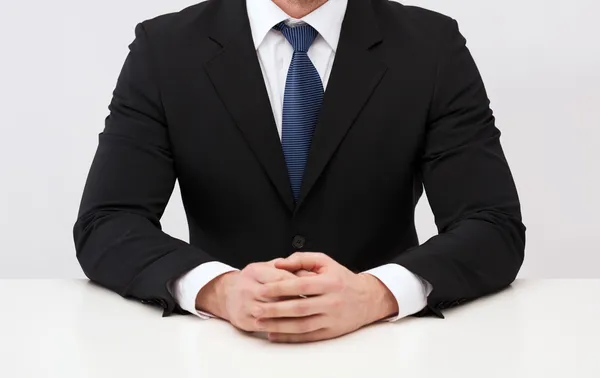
(356, 73)
(235, 72)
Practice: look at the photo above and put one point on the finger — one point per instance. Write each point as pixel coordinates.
(292, 325)
(318, 335)
(305, 273)
(293, 308)
(310, 261)
(274, 261)
(265, 273)
(315, 285)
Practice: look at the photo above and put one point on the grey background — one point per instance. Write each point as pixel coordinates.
(60, 60)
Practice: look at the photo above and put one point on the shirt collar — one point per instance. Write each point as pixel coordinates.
(327, 19)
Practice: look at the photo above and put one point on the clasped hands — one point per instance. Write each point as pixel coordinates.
(305, 297)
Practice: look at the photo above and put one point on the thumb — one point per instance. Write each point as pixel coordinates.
(305, 273)
(309, 261)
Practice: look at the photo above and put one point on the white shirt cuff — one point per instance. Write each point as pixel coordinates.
(410, 290)
(186, 288)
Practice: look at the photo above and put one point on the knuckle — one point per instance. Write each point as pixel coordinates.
(251, 268)
(337, 303)
(266, 291)
(258, 311)
(337, 283)
(274, 261)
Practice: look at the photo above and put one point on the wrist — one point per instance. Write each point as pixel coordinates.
(212, 297)
(383, 304)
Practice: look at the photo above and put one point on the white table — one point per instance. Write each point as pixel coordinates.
(72, 328)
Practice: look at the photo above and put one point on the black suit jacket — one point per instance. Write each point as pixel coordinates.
(405, 108)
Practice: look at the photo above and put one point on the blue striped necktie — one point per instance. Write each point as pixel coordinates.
(301, 103)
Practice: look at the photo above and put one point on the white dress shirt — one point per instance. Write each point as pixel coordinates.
(275, 56)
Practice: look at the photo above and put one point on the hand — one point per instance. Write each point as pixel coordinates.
(234, 295)
(339, 301)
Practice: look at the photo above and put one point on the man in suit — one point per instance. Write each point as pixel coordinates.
(306, 128)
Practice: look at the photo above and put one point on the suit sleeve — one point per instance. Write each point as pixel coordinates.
(118, 235)
(481, 240)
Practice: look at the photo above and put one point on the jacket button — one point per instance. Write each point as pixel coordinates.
(298, 242)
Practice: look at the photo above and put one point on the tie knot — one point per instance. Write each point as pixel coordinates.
(301, 37)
